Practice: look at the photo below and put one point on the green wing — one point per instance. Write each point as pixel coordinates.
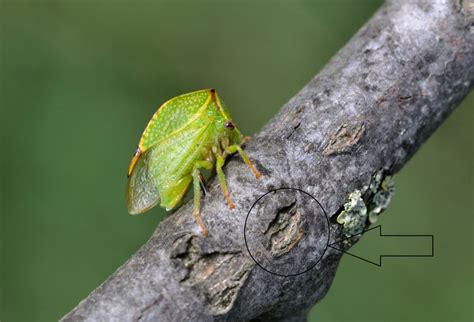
(142, 192)
(161, 173)
(174, 158)
(173, 115)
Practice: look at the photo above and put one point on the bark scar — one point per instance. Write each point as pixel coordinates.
(216, 273)
(295, 127)
(346, 136)
(148, 307)
(285, 231)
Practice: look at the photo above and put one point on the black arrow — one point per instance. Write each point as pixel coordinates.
(338, 247)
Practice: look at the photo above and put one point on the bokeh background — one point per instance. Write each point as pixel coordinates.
(79, 81)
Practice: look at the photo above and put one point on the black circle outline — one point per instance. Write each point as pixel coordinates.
(328, 235)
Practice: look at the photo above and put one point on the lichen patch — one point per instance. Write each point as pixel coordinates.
(364, 206)
(379, 194)
(354, 216)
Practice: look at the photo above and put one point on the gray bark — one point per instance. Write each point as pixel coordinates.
(369, 109)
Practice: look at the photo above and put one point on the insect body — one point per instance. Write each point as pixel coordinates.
(188, 133)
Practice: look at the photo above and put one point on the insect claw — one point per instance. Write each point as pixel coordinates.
(204, 230)
(229, 201)
(246, 139)
(256, 173)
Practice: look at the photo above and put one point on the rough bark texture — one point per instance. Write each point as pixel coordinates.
(370, 108)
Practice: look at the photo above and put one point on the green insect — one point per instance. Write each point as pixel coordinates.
(186, 134)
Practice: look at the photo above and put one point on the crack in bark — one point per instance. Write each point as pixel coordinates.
(213, 273)
(346, 137)
(148, 307)
(285, 230)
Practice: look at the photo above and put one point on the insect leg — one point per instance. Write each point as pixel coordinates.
(219, 163)
(197, 192)
(197, 196)
(236, 148)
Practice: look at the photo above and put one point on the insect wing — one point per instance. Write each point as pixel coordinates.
(156, 171)
(173, 159)
(174, 115)
(142, 193)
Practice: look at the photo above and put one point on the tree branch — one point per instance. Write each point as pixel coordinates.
(368, 111)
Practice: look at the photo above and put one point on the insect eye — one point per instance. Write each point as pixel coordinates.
(229, 125)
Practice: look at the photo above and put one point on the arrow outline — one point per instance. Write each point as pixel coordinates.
(379, 264)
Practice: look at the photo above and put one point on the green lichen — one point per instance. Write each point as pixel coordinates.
(381, 198)
(363, 207)
(354, 216)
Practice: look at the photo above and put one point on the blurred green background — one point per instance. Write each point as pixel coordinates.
(79, 81)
